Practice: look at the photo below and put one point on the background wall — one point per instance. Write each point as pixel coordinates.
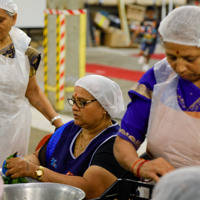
(30, 13)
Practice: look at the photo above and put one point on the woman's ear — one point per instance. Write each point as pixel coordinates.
(14, 18)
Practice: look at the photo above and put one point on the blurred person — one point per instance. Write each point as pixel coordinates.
(148, 29)
(165, 105)
(80, 153)
(18, 65)
(180, 184)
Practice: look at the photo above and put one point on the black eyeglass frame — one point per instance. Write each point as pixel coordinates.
(83, 102)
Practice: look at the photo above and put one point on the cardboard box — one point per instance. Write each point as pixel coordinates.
(108, 2)
(70, 4)
(159, 2)
(135, 12)
(116, 38)
(146, 2)
(91, 2)
(115, 2)
(101, 21)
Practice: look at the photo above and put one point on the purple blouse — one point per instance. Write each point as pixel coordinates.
(135, 120)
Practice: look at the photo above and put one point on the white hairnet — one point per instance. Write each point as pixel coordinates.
(182, 26)
(180, 184)
(106, 91)
(8, 5)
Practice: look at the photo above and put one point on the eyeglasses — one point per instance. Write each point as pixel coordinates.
(79, 103)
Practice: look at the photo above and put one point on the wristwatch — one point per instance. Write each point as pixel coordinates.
(39, 172)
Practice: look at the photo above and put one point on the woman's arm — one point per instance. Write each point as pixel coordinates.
(94, 181)
(33, 158)
(102, 173)
(38, 99)
(126, 155)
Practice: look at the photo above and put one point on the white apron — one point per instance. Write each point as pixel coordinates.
(172, 133)
(15, 117)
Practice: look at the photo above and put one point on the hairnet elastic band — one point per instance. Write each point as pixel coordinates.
(183, 43)
(6, 8)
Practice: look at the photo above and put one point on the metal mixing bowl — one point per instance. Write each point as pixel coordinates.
(42, 191)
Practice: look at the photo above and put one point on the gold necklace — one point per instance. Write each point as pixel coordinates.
(79, 148)
(109, 124)
(81, 144)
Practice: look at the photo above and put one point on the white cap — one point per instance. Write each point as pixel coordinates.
(106, 91)
(180, 184)
(182, 26)
(8, 5)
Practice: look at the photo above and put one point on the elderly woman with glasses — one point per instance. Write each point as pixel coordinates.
(80, 153)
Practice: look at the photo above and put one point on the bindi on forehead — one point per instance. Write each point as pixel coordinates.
(75, 94)
(177, 52)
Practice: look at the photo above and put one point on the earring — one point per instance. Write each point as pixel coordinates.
(105, 114)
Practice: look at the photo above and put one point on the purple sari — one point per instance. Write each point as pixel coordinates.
(135, 121)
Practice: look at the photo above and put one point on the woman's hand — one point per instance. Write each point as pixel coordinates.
(154, 169)
(19, 167)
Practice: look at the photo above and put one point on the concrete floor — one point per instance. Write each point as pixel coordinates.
(119, 58)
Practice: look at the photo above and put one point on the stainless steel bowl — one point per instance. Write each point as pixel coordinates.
(42, 191)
